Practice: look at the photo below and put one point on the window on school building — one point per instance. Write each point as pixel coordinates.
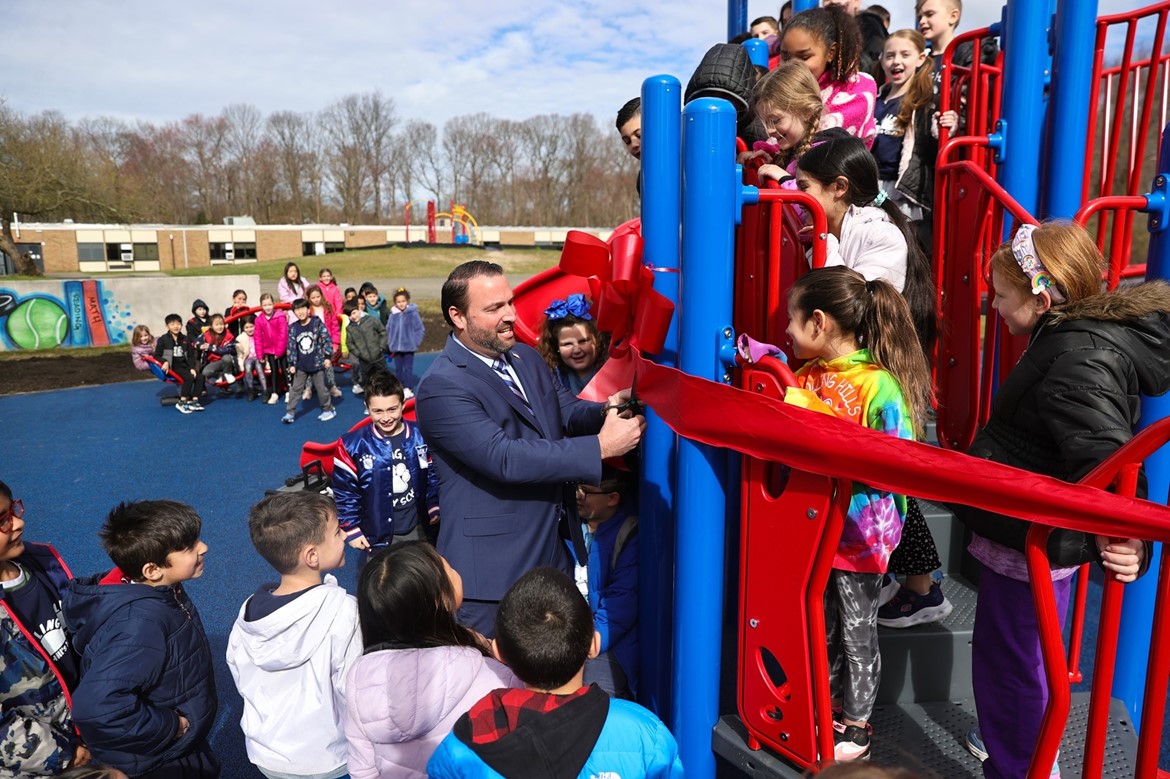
(146, 252)
(238, 251)
(91, 252)
(309, 248)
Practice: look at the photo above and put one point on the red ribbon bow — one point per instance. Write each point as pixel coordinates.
(628, 307)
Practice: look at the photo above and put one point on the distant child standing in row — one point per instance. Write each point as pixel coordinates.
(176, 352)
(291, 286)
(200, 322)
(365, 340)
(323, 310)
(271, 342)
(375, 303)
(404, 333)
(141, 345)
(310, 353)
(329, 289)
(828, 42)
(294, 641)
(248, 361)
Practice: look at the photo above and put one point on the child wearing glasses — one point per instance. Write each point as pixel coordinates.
(38, 666)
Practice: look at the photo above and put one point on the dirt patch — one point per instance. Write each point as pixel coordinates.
(82, 368)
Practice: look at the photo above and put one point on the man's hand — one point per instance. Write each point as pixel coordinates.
(1121, 556)
(184, 726)
(359, 542)
(619, 435)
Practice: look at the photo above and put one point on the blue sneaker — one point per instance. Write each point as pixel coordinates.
(907, 608)
(288, 419)
(974, 744)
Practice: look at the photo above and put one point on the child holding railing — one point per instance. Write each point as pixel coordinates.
(1072, 400)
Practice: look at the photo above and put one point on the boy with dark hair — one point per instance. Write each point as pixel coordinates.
(176, 352)
(375, 303)
(609, 578)
(629, 127)
(554, 726)
(309, 350)
(200, 321)
(38, 666)
(387, 490)
(294, 641)
(365, 339)
(146, 701)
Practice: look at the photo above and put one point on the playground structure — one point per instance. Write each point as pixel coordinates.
(990, 178)
(464, 228)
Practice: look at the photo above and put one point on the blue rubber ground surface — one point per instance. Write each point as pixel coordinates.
(71, 455)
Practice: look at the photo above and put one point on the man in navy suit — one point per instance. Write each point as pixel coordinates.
(510, 444)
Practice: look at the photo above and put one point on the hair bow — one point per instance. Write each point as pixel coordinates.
(575, 304)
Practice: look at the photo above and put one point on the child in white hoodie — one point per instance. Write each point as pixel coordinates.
(293, 643)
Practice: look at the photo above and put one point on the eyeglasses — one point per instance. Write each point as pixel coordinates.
(16, 510)
(583, 490)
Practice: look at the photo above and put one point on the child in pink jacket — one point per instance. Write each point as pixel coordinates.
(270, 341)
(414, 681)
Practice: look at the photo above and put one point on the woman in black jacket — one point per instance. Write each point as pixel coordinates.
(1071, 401)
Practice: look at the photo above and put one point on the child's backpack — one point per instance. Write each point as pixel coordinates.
(628, 528)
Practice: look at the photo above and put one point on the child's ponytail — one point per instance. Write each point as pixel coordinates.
(889, 333)
(920, 94)
(836, 28)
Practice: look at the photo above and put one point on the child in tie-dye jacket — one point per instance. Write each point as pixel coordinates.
(864, 363)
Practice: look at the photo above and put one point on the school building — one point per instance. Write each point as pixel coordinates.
(95, 248)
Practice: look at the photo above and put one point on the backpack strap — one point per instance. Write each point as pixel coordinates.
(628, 528)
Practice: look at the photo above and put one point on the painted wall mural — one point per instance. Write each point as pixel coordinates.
(84, 314)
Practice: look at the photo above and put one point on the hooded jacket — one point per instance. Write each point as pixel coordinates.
(404, 329)
(290, 668)
(196, 325)
(366, 339)
(590, 737)
(1073, 399)
(144, 661)
(36, 734)
(870, 244)
(271, 335)
(402, 702)
(139, 351)
(726, 72)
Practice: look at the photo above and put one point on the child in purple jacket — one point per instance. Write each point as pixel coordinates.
(404, 335)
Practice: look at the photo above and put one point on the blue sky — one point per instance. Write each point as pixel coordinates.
(153, 61)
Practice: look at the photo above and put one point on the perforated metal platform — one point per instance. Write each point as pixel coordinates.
(928, 739)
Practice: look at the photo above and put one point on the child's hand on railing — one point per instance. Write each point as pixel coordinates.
(947, 119)
(1121, 556)
(772, 173)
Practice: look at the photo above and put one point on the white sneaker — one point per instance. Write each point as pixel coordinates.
(272, 399)
(183, 408)
(357, 389)
(229, 379)
(326, 416)
(286, 396)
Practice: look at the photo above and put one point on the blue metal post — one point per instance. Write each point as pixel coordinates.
(1137, 611)
(803, 5)
(1068, 105)
(1025, 48)
(710, 200)
(736, 18)
(757, 50)
(661, 203)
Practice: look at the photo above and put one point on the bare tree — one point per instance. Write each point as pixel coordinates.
(378, 119)
(421, 142)
(243, 134)
(204, 139)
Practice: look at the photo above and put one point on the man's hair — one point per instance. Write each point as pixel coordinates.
(283, 524)
(349, 306)
(173, 318)
(627, 112)
(454, 294)
(381, 383)
(544, 628)
(146, 531)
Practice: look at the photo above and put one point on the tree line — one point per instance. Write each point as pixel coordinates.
(356, 161)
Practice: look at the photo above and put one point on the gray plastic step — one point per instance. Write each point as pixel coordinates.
(930, 662)
(928, 740)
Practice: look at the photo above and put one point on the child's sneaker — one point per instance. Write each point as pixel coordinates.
(183, 408)
(288, 419)
(839, 723)
(850, 744)
(407, 393)
(273, 398)
(195, 405)
(334, 391)
(229, 379)
(327, 415)
(974, 744)
(890, 587)
(907, 608)
(357, 389)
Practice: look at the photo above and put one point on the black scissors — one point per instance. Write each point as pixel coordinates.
(632, 405)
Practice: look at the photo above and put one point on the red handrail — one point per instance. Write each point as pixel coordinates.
(1118, 255)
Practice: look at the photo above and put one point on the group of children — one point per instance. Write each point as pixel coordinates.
(297, 349)
(116, 668)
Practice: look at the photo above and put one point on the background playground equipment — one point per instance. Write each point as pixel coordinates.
(464, 228)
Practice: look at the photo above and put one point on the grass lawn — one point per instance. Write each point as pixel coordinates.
(389, 263)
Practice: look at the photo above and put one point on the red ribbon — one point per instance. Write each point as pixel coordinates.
(627, 306)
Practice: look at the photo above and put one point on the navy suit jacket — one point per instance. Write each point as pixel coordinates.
(504, 471)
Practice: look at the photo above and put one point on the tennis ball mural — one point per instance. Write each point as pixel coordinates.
(37, 323)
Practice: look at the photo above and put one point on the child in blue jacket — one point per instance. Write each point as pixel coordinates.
(385, 487)
(609, 523)
(404, 335)
(146, 701)
(555, 726)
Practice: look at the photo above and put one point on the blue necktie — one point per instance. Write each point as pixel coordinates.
(500, 366)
